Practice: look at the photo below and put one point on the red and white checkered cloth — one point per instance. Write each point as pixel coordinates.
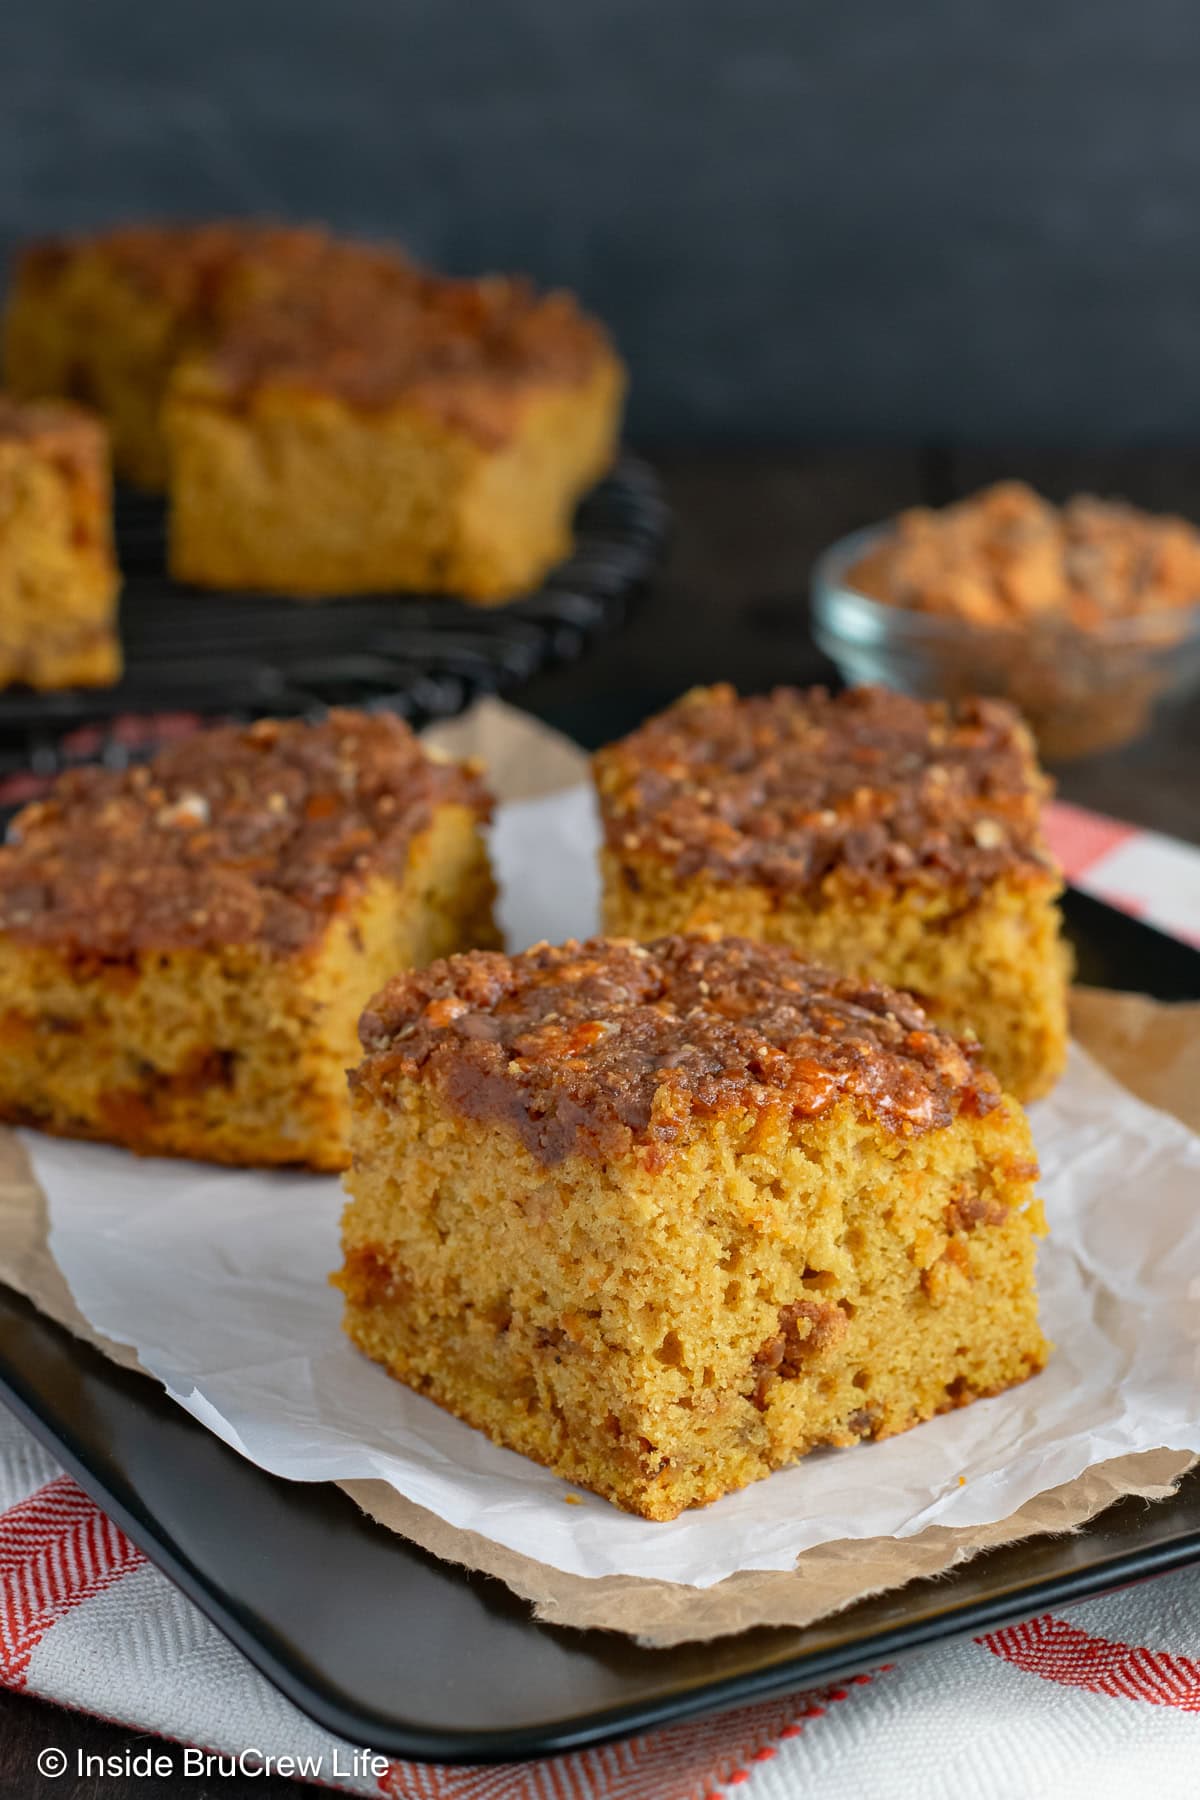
(1101, 1699)
(1155, 878)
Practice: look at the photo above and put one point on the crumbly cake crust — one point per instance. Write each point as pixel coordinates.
(588, 1048)
(375, 338)
(786, 787)
(254, 834)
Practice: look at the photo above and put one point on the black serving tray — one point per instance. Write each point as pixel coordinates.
(202, 654)
(388, 1647)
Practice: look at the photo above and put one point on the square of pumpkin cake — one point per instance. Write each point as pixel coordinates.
(185, 946)
(667, 1217)
(390, 429)
(895, 839)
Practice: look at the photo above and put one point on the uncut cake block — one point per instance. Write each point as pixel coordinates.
(893, 839)
(390, 430)
(58, 574)
(666, 1218)
(185, 946)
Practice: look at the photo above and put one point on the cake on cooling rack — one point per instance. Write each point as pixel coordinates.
(58, 574)
(390, 430)
(186, 946)
(325, 417)
(889, 838)
(665, 1218)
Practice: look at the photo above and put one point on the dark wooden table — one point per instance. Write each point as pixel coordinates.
(731, 605)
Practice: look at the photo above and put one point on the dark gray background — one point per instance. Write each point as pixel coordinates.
(950, 219)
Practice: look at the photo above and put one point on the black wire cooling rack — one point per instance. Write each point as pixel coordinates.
(194, 654)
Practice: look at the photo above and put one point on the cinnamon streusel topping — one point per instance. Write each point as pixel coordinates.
(785, 788)
(372, 340)
(238, 835)
(588, 1048)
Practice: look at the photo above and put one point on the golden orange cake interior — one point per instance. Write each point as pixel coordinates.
(667, 1217)
(185, 947)
(893, 839)
(58, 574)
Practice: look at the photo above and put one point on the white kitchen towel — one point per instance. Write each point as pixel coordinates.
(1102, 1699)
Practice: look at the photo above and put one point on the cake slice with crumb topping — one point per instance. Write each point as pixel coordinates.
(666, 1218)
(390, 430)
(896, 840)
(185, 947)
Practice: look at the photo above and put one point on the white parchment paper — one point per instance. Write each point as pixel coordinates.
(218, 1278)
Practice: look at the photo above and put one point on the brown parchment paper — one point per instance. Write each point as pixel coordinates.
(1153, 1049)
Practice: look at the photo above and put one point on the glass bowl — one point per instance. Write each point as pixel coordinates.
(1081, 691)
